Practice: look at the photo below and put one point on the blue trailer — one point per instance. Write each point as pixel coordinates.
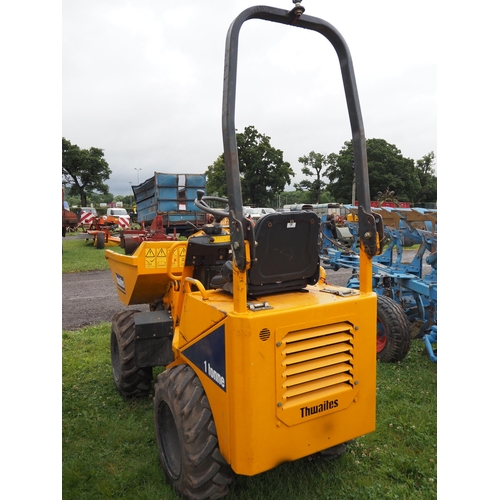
(171, 196)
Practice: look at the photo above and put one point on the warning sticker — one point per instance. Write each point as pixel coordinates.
(161, 258)
(179, 258)
(157, 258)
(150, 258)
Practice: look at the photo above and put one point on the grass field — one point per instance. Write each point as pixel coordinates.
(81, 255)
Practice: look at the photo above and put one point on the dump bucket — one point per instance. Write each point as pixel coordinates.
(143, 277)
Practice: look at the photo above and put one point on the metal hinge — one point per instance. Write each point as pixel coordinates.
(258, 306)
(345, 292)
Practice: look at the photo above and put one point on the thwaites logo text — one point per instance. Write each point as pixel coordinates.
(307, 411)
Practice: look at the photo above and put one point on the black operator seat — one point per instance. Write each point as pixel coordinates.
(286, 254)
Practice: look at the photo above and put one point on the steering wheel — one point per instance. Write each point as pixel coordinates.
(201, 203)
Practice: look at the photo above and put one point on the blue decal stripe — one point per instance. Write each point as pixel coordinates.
(209, 355)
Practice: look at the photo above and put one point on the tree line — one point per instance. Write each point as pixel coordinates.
(328, 177)
(264, 174)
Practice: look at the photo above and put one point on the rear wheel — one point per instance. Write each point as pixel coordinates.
(130, 380)
(187, 438)
(100, 241)
(393, 331)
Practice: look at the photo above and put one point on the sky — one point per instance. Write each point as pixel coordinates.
(143, 81)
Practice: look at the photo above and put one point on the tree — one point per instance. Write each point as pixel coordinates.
(84, 171)
(428, 181)
(387, 169)
(216, 178)
(317, 162)
(263, 172)
(127, 200)
(293, 198)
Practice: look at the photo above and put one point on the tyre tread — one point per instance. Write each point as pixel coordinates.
(130, 380)
(205, 473)
(398, 330)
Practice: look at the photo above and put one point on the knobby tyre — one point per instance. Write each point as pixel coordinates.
(130, 380)
(394, 334)
(187, 438)
(100, 241)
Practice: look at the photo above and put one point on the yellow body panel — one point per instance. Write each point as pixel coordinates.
(295, 379)
(146, 275)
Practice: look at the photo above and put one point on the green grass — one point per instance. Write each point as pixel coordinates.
(109, 448)
(81, 255)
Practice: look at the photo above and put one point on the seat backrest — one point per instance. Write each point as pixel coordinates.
(286, 252)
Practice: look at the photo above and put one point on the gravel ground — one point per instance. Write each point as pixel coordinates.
(90, 298)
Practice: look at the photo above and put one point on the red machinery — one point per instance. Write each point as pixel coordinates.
(101, 228)
(69, 219)
(130, 239)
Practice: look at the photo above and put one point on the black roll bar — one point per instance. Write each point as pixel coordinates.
(367, 222)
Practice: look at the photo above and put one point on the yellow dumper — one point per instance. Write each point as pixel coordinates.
(264, 361)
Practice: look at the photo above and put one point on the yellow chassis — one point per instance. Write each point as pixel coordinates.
(287, 375)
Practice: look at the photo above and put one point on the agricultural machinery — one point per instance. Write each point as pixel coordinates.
(104, 228)
(69, 219)
(264, 361)
(404, 282)
(171, 196)
(130, 239)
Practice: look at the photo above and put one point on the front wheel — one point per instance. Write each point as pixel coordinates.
(100, 241)
(393, 331)
(187, 438)
(130, 380)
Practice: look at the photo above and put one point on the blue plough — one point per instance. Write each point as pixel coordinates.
(404, 282)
